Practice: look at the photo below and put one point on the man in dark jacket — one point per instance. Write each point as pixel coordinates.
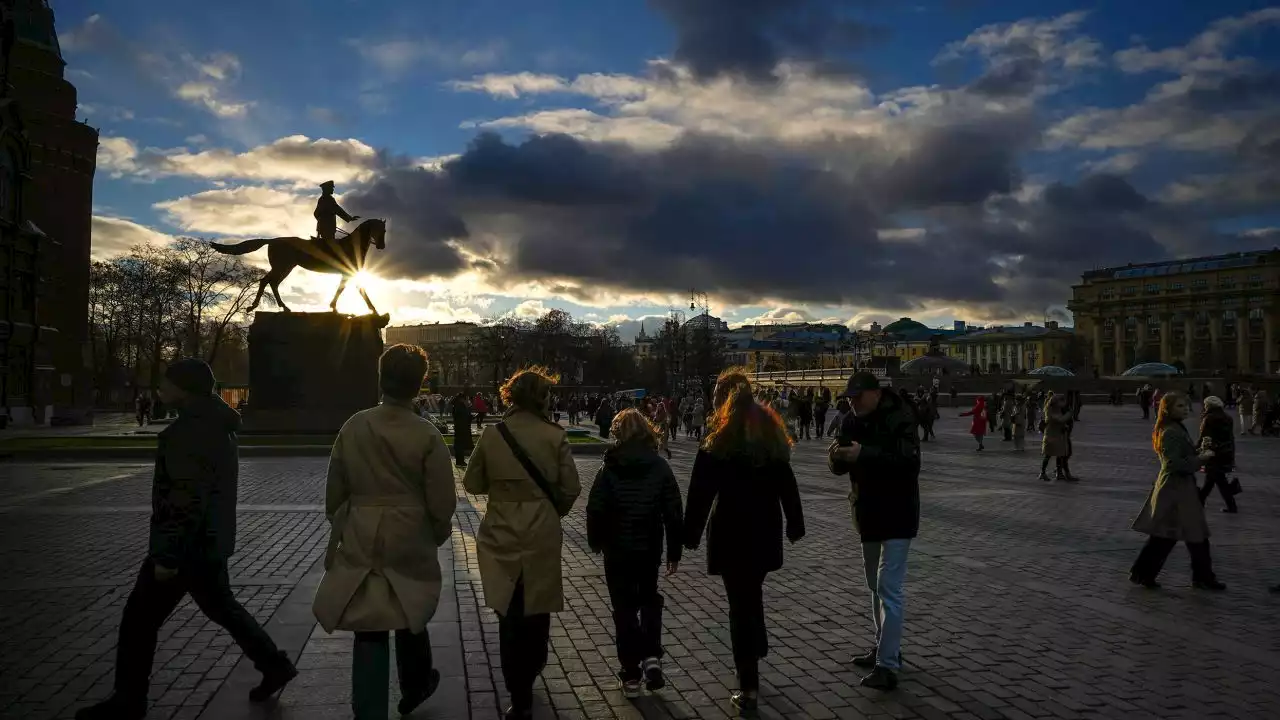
(193, 532)
(1217, 433)
(879, 448)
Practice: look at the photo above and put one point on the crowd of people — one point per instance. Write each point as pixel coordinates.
(390, 501)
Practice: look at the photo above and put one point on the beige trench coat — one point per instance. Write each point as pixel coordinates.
(390, 500)
(520, 534)
(1173, 508)
(1056, 441)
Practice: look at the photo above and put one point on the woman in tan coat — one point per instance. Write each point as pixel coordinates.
(1173, 510)
(524, 465)
(390, 499)
(1056, 442)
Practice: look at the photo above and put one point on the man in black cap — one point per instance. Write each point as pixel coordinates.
(327, 213)
(193, 532)
(878, 446)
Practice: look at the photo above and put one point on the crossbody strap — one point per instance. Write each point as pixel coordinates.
(523, 458)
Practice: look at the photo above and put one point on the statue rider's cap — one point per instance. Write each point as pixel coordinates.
(326, 184)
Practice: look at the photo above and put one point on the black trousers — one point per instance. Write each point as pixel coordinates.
(371, 669)
(522, 641)
(152, 601)
(747, 630)
(1151, 559)
(637, 610)
(480, 420)
(820, 424)
(1217, 478)
(926, 426)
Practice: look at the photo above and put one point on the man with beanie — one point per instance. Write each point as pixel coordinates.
(193, 533)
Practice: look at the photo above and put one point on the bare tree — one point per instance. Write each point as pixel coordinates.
(216, 288)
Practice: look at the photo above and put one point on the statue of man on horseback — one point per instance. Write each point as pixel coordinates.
(326, 253)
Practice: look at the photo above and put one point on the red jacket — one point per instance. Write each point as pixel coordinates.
(479, 405)
(979, 414)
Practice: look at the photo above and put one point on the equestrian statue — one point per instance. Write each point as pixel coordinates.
(324, 253)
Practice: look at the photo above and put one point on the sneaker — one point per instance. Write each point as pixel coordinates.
(881, 678)
(274, 680)
(746, 702)
(631, 688)
(114, 708)
(410, 702)
(654, 680)
(1147, 583)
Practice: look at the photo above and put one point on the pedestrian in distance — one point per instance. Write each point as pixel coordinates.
(978, 426)
(1056, 441)
(193, 534)
(1217, 434)
(634, 504)
(462, 440)
(878, 449)
(1019, 420)
(389, 498)
(1244, 407)
(741, 489)
(1173, 511)
(525, 466)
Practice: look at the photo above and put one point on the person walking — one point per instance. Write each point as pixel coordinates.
(635, 498)
(662, 421)
(1056, 442)
(1173, 510)
(1244, 406)
(460, 409)
(1217, 434)
(878, 449)
(526, 468)
(389, 498)
(1144, 401)
(479, 409)
(978, 426)
(1261, 407)
(699, 417)
(1006, 416)
(741, 489)
(193, 533)
(1019, 419)
(142, 406)
(821, 404)
(927, 416)
(842, 410)
(604, 416)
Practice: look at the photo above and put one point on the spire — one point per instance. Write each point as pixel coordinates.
(33, 25)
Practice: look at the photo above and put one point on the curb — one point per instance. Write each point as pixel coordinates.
(246, 451)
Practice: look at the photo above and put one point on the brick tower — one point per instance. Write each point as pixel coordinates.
(60, 197)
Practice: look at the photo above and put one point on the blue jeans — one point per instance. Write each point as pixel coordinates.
(886, 567)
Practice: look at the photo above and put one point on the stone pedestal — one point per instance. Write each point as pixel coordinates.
(309, 372)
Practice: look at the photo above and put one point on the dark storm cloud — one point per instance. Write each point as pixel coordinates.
(748, 222)
(750, 37)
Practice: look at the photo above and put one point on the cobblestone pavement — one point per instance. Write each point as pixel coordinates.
(1017, 601)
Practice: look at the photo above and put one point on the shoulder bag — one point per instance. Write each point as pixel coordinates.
(523, 458)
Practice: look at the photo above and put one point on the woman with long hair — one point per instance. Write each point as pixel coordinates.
(741, 488)
(1173, 510)
(662, 420)
(635, 499)
(524, 465)
(1056, 442)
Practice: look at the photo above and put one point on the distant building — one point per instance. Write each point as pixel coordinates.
(452, 351)
(1207, 313)
(1015, 348)
(643, 346)
(908, 339)
(57, 165)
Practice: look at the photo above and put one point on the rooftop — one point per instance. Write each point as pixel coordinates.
(1187, 265)
(1020, 331)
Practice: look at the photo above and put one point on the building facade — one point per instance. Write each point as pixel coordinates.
(1204, 314)
(908, 339)
(1017, 348)
(63, 157)
(452, 349)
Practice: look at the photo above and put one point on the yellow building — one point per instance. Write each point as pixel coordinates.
(908, 339)
(1208, 314)
(1016, 348)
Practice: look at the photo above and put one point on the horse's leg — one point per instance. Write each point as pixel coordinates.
(276, 278)
(262, 287)
(368, 302)
(342, 285)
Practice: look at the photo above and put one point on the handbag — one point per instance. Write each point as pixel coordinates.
(523, 458)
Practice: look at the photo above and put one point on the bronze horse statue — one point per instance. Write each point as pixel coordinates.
(345, 256)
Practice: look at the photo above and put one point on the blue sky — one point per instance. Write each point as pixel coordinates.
(218, 120)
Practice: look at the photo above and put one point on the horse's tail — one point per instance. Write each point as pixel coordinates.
(243, 248)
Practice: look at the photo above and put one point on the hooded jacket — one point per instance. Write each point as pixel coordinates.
(193, 494)
(634, 501)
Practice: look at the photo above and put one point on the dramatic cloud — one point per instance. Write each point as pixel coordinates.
(749, 38)
(1205, 53)
(294, 159)
(206, 82)
(113, 236)
(1020, 56)
(242, 211)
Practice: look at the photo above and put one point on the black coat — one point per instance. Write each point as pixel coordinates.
(634, 503)
(886, 477)
(744, 534)
(193, 495)
(462, 440)
(1218, 432)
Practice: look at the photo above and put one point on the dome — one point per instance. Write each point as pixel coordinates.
(1151, 370)
(904, 325)
(1052, 370)
(932, 363)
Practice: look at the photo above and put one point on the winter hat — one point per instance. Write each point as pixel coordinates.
(192, 376)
